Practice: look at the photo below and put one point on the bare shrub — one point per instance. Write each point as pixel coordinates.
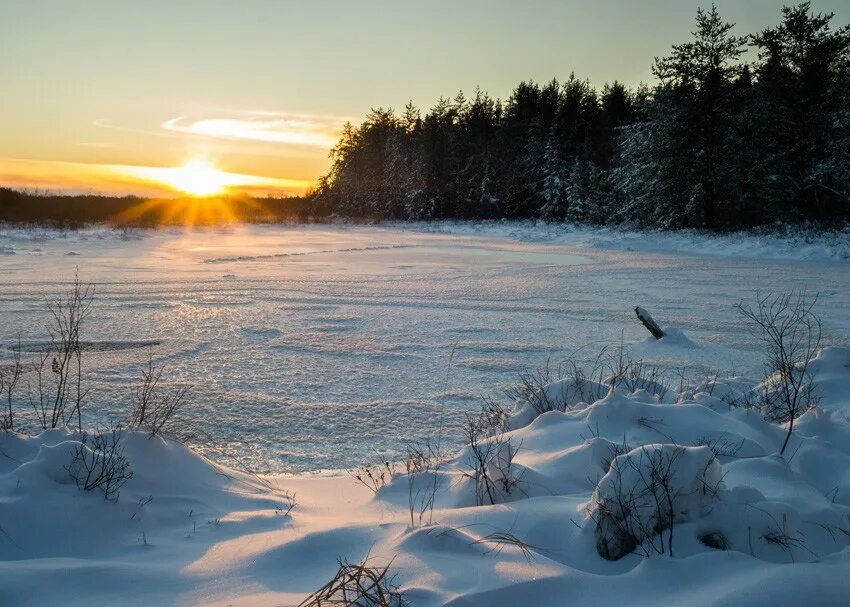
(493, 415)
(630, 375)
(490, 462)
(61, 393)
(531, 386)
(586, 382)
(98, 463)
(792, 333)
(615, 450)
(154, 408)
(423, 458)
(637, 375)
(747, 400)
(636, 504)
(361, 585)
(8, 382)
(289, 504)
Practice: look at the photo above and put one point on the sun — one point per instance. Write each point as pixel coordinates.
(197, 178)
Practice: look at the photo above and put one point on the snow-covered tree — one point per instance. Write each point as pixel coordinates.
(554, 183)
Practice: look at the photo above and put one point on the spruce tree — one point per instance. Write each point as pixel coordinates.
(802, 70)
(697, 78)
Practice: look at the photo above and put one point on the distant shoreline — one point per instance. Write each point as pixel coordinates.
(778, 242)
(70, 212)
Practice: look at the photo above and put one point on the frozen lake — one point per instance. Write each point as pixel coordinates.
(322, 347)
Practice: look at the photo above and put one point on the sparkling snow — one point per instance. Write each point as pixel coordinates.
(323, 347)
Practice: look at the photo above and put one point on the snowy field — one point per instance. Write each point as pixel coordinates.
(321, 348)
(325, 347)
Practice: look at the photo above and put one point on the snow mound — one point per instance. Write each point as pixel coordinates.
(172, 493)
(646, 491)
(569, 393)
(675, 337)
(829, 370)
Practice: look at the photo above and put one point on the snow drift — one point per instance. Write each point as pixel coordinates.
(627, 498)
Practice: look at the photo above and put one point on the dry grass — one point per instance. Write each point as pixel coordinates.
(361, 585)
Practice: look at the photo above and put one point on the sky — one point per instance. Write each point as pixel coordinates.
(160, 96)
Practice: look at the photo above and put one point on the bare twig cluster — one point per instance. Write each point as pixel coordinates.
(493, 415)
(748, 400)
(780, 535)
(155, 408)
(375, 476)
(423, 460)
(9, 377)
(721, 447)
(289, 504)
(59, 392)
(490, 461)
(98, 463)
(615, 450)
(631, 375)
(586, 383)
(359, 584)
(531, 387)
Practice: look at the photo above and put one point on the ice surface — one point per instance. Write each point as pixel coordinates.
(322, 347)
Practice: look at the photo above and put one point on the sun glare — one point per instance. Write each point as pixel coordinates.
(200, 178)
(197, 178)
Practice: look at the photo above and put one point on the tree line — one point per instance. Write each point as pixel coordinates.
(75, 211)
(738, 131)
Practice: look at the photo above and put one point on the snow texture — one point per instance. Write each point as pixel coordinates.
(322, 347)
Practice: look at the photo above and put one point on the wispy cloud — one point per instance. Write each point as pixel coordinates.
(269, 127)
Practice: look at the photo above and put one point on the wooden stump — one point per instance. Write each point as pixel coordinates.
(648, 322)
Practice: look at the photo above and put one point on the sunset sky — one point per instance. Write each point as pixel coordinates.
(116, 96)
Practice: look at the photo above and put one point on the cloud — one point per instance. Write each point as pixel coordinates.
(270, 127)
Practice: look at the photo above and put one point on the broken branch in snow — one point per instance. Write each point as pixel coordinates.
(648, 322)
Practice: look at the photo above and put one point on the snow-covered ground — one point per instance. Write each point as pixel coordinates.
(780, 242)
(750, 526)
(323, 347)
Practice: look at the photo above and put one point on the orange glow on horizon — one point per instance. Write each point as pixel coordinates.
(195, 178)
(189, 212)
